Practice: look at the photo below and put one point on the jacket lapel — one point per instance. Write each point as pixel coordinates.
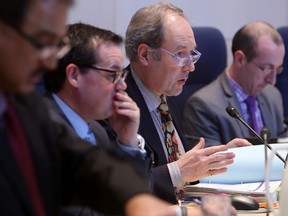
(230, 95)
(151, 136)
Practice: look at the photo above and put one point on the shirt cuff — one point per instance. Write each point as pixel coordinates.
(138, 151)
(175, 175)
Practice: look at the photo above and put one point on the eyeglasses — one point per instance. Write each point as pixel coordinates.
(269, 69)
(46, 50)
(183, 60)
(115, 75)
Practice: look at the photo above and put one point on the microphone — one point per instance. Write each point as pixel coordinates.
(265, 134)
(232, 111)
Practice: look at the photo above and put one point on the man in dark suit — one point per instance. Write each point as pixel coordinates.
(41, 166)
(160, 45)
(89, 85)
(258, 53)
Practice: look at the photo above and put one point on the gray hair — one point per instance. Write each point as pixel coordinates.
(146, 27)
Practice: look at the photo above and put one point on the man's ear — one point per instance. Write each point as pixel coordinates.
(72, 74)
(143, 53)
(240, 58)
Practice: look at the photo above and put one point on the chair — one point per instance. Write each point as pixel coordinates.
(282, 79)
(211, 43)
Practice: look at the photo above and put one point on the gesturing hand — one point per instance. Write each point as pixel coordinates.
(201, 162)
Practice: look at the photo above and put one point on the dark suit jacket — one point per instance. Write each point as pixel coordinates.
(205, 113)
(68, 172)
(142, 167)
(162, 182)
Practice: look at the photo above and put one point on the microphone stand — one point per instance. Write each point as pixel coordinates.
(234, 113)
(265, 134)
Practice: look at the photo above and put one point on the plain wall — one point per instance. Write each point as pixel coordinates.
(226, 15)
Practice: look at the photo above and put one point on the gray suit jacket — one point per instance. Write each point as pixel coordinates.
(205, 113)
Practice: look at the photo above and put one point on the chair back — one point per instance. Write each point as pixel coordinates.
(282, 79)
(211, 43)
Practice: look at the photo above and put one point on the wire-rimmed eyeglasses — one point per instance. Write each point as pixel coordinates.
(46, 50)
(115, 75)
(269, 69)
(183, 60)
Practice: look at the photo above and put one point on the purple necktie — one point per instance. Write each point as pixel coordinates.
(251, 107)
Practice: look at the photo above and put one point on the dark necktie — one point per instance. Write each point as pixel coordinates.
(251, 107)
(22, 155)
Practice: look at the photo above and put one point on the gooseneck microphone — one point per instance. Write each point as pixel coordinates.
(232, 111)
(265, 134)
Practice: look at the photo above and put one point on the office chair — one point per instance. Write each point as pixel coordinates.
(282, 79)
(211, 43)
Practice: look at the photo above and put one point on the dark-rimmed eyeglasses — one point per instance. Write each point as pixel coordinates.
(115, 75)
(46, 50)
(184, 60)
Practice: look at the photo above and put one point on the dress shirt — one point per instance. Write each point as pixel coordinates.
(83, 130)
(79, 125)
(241, 96)
(153, 101)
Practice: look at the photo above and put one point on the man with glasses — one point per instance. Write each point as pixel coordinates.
(89, 85)
(258, 53)
(42, 167)
(162, 51)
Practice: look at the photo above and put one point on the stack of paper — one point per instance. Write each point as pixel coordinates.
(249, 166)
(245, 176)
(255, 189)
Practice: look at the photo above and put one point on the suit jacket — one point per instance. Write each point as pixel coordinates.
(163, 186)
(67, 171)
(104, 140)
(205, 113)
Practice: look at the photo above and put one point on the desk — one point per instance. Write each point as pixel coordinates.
(255, 213)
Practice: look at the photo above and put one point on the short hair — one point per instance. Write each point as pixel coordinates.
(84, 40)
(246, 38)
(146, 26)
(13, 12)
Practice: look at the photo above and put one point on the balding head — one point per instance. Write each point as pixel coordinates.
(246, 38)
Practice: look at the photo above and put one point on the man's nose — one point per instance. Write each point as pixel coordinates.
(121, 84)
(189, 67)
(48, 63)
(271, 78)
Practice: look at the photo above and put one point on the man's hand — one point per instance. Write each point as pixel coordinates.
(237, 142)
(125, 119)
(201, 162)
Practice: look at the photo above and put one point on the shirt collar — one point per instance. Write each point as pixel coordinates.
(240, 93)
(79, 125)
(152, 100)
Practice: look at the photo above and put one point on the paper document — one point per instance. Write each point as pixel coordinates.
(255, 188)
(249, 166)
